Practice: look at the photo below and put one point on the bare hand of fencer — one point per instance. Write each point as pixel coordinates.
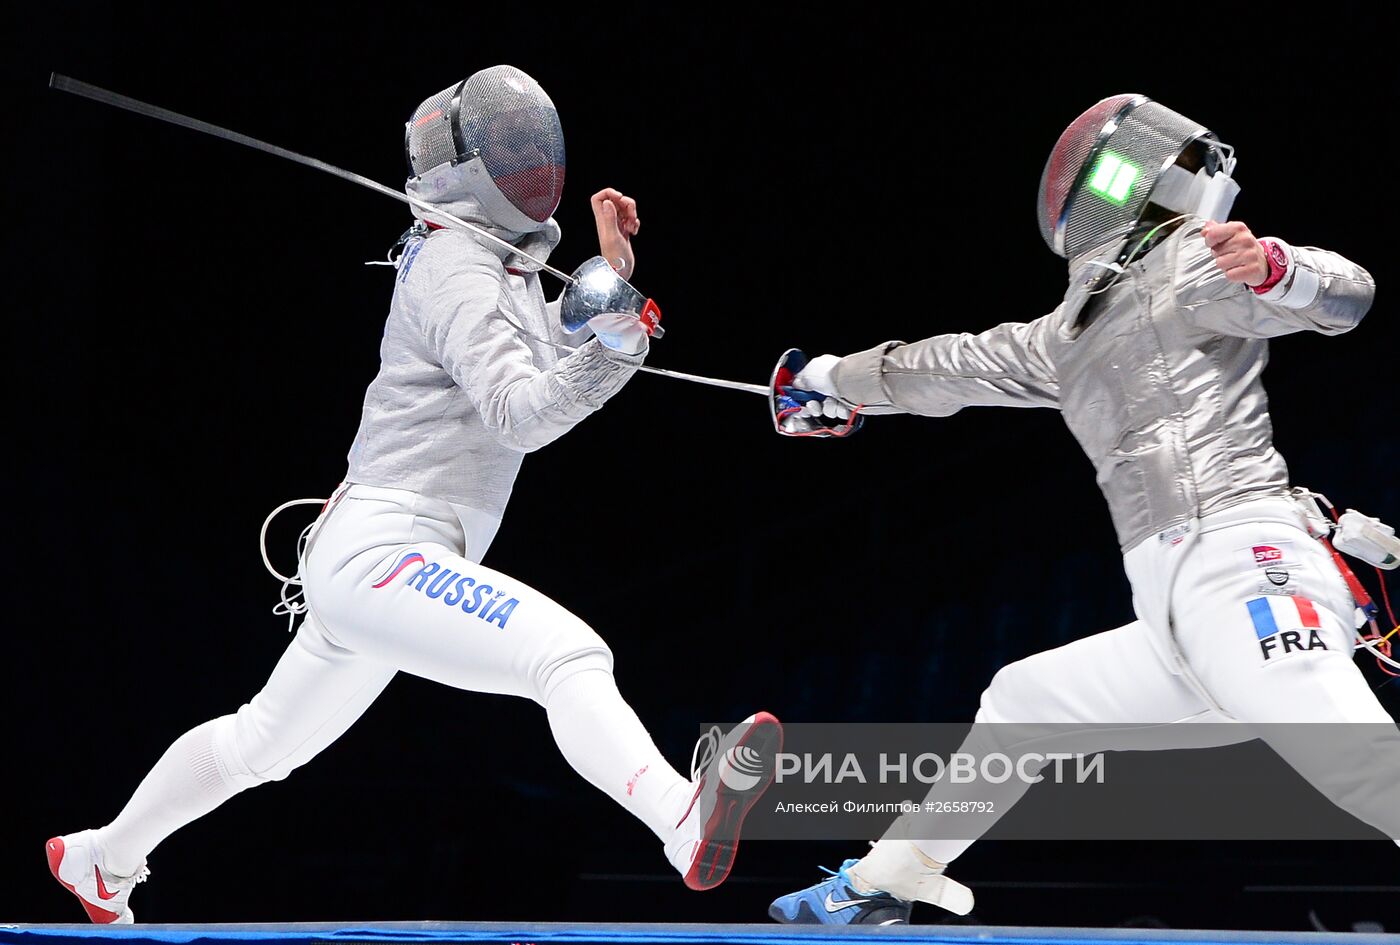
(617, 220)
(1237, 252)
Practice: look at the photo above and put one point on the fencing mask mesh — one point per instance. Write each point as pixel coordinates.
(495, 136)
(1102, 171)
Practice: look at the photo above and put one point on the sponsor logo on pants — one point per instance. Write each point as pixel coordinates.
(1274, 559)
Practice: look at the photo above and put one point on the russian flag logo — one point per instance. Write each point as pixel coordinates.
(407, 559)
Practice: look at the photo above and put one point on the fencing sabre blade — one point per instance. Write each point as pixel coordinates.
(711, 381)
(68, 84)
(73, 86)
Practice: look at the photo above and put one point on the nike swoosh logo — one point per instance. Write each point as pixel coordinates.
(833, 906)
(102, 892)
(693, 798)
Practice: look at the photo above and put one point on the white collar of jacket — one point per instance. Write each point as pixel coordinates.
(539, 244)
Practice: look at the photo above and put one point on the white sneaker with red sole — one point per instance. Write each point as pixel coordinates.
(73, 860)
(730, 774)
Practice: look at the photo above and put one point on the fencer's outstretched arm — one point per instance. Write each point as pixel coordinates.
(1313, 289)
(488, 357)
(1004, 366)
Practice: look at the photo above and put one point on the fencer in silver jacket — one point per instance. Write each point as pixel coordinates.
(1158, 377)
(1154, 357)
(462, 392)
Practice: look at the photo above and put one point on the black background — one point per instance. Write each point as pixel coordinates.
(192, 330)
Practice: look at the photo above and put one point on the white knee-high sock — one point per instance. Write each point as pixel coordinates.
(602, 738)
(188, 781)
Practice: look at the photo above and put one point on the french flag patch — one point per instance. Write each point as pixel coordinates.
(1285, 625)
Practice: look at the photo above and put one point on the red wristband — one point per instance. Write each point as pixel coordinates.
(1278, 266)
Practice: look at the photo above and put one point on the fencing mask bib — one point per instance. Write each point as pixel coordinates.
(494, 137)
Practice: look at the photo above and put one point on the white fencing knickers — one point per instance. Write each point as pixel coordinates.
(392, 586)
(1242, 659)
(387, 577)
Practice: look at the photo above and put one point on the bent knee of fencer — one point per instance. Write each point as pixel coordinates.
(588, 654)
(1369, 802)
(1372, 804)
(1008, 718)
(250, 751)
(233, 767)
(1353, 766)
(1007, 697)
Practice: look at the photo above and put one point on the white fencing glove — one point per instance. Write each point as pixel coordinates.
(804, 401)
(620, 332)
(831, 408)
(816, 377)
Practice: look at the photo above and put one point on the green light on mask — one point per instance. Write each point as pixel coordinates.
(1113, 179)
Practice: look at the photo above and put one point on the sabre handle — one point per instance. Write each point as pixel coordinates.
(651, 319)
(785, 403)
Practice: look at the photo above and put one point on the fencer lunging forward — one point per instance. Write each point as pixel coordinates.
(1154, 360)
(468, 383)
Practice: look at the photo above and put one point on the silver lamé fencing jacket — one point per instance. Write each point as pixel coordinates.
(1159, 382)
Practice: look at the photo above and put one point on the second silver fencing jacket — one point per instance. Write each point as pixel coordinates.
(1159, 381)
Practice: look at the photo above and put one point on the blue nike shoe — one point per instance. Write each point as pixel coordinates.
(836, 901)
